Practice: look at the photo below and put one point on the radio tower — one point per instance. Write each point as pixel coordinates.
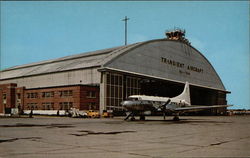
(125, 20)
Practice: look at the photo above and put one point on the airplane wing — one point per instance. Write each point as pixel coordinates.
(198, 108)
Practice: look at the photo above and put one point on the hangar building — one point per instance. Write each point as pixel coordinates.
(100, 80)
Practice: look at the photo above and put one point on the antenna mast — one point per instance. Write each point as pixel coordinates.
(125, 20)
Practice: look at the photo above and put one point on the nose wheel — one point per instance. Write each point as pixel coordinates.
(132, 118)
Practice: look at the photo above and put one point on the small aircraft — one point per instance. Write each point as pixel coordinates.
(143, 105)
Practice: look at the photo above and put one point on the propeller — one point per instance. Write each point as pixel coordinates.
(164, 108)
(130, 114)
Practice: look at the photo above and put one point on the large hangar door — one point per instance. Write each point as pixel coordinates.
(199, 96)
(203, 96)
(160, 88)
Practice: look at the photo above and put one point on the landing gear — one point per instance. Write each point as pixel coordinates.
(176, 118)
(129, 115)
(142, 118)
(132, 118)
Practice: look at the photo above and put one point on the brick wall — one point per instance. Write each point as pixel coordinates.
(89, 98)
(60, 98)
(7, 96)
(19, 92)
(40, 99)
(52, 98)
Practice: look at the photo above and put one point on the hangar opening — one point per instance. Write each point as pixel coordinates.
(199, 95)
(119, 86)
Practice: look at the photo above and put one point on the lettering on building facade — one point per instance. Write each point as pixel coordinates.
(182, 66)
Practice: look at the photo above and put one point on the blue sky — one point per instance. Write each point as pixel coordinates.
(35, 31)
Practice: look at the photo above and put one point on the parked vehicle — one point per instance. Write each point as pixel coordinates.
(93, 114)
(107, 114)
(76, 113)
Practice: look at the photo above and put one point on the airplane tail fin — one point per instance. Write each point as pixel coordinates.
(185, 95)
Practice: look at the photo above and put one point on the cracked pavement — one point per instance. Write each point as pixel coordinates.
(193, 136)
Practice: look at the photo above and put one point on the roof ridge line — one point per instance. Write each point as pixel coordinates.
(85, 54)
(118, 50)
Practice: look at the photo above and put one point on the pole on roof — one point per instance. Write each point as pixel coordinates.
(125, 20)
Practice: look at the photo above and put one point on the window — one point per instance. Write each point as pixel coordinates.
(48, 106)
(119, 87)
(65, 105)
(18, 96)
(47, 94)
(66, 93)
(133, 86)
(91, 94)
(18, 99)
(31, 106)
(92, 106)
(4, 96)
(114, 91)
(32, 95)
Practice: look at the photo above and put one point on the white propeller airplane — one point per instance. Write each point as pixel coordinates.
(143, 105)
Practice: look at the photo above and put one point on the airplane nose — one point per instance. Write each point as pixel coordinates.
(126, 103)
(122, 103)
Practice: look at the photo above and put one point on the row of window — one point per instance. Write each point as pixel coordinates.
(49, 106)
(32, 106)
(62, 106)
(51, 94)
(47, 94)
(32, 95)
(65, 93)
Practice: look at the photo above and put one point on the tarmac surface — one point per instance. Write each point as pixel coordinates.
(192, 136)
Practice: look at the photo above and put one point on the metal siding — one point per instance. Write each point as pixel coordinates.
(54, 67)
(79, 61)
(146, 59)
(88, 76)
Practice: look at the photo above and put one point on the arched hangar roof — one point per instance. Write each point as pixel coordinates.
(170, 60)
(162, 58)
